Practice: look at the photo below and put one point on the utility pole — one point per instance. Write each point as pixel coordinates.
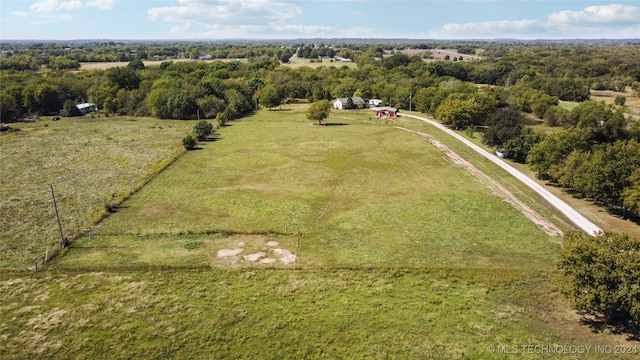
(55, 207)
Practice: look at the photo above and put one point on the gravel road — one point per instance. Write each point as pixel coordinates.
(576, 218)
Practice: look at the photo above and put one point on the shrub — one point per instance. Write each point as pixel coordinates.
(202, 129)
(189, 142)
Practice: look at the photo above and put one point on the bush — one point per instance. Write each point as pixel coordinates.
(202, 129)
(189, 142)
(620, 100)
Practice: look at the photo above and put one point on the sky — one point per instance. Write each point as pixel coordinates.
(287, 19)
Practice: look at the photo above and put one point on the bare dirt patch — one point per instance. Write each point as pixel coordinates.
(286, 256)
(498, 189)
(256, 250)
(229, 252)
(254, 257)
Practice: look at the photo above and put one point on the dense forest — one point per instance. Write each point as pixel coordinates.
(514, 93)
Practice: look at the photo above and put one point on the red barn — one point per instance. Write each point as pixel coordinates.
(386, 112)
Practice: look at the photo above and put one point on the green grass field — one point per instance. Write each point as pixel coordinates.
(299, 62)
(275, 314)
(89, 161)
(401, 254)
(361, 194)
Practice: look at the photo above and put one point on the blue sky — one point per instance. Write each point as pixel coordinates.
(286, 19)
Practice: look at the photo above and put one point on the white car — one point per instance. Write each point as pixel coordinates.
(500, 153)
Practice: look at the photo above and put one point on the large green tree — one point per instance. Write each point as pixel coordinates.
(518, 148)
(319, 111)
(268, 96)
(601, 274)
(504, 124)
(123, 77)
(547, 156)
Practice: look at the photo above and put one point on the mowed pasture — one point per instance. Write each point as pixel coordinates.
(103, 65)
(355, 193)
(632, 102)
(91, 162)
(401, 254)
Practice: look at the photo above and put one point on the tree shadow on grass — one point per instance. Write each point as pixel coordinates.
(622, 324)
(212, 138)
(279, 109)
(335, 124)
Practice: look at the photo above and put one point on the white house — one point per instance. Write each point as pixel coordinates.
(341, 103)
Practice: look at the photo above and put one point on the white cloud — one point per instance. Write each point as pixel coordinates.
(604, 14)
(49, 6)
(232, 18)
(44, 6)
(70, 5)
(20, 13)
(595, 21)
(231, 12)
(102, 4)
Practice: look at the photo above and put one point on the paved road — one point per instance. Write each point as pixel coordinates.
(575, 217)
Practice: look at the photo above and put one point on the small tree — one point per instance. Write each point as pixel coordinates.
(202, 129)
(350, 104)
(189, 142)
(136, 64)
(318, 111)
(620, 100)
(70, 109)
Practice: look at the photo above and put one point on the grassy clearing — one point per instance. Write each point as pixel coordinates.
(89, 161)
(403, 255)
(632, 103)
(298, 62)
(107, 64)
(360, 192)
(273, 314)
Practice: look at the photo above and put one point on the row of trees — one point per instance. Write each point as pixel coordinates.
(600, 275)
(596, 155)
(608, 173)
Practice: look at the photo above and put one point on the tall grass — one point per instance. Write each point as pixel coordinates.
(271, 314)
(90, 162)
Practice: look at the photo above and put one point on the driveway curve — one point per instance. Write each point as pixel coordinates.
(576, 218)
